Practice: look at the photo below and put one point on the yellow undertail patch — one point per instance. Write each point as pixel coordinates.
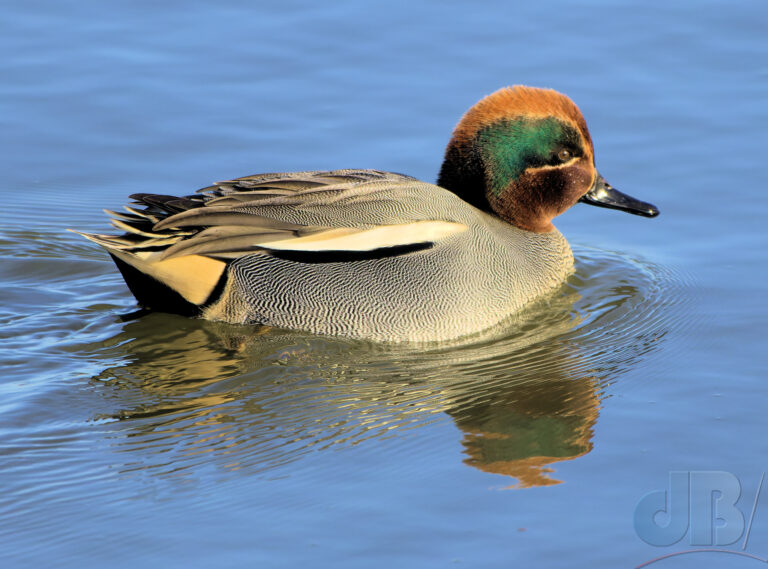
(193, 276)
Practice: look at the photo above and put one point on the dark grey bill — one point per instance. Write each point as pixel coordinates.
(603, 194)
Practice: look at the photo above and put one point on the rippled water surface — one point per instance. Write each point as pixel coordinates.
(131, 438)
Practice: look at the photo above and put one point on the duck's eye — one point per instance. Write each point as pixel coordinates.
(564, 155)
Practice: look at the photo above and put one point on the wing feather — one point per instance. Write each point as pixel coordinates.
(344, 215)
(209, 216)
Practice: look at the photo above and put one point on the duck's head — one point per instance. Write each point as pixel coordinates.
(525, 154)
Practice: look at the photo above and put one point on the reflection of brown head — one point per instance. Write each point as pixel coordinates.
(530, 427)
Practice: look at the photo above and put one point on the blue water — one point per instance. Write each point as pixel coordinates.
(173, 442)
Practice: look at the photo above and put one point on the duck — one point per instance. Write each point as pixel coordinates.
(377, 255)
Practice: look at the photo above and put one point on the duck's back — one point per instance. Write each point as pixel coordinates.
(364, 254)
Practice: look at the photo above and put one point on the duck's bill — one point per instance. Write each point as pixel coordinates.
(603, 194)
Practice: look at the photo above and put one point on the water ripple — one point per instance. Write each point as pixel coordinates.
(171, 396)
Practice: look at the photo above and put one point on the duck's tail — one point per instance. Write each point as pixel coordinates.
(180, 284)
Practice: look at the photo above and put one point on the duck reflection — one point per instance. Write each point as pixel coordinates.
(522, 431)
(188, 392)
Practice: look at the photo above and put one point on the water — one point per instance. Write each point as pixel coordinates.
(129, 439)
